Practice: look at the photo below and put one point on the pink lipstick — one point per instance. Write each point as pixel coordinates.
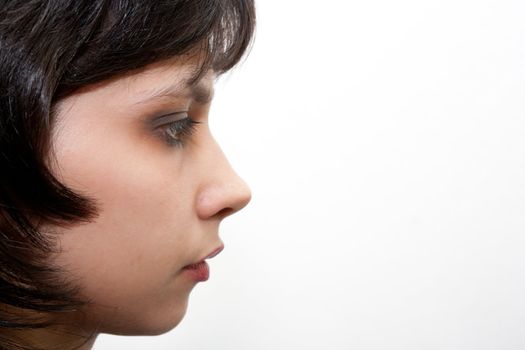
(215, 252)
(198, 272)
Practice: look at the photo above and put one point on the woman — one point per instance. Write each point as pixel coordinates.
(112, 187)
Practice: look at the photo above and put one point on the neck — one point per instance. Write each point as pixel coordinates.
(55, 337)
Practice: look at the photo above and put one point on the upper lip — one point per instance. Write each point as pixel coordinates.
(215, 252)
(209, 256)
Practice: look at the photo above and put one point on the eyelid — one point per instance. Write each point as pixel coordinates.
(178, 132)
(169, 118)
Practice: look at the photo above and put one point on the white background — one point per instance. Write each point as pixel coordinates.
(384, 142)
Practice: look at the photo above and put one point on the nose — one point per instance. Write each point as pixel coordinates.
(223, 192)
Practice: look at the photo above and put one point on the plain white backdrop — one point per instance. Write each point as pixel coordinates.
(384, 142)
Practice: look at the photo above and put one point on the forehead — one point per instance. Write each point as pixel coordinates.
(166, 78)
(176, 81)
(173, 78)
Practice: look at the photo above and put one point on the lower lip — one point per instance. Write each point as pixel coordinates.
(198, 272)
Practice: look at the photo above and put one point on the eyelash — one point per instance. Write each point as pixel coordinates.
(178, 131)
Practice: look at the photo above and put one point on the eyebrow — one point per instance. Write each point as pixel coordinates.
(197, 91)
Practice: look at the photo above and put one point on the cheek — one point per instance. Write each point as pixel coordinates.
(129, 257)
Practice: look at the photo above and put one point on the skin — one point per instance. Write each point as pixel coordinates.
(160, 206)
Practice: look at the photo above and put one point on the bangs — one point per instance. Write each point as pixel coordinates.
(122, 36)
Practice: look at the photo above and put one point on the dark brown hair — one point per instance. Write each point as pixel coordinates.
(48, 50)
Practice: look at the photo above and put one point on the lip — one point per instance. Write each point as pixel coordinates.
(200, 271)
(215, 252)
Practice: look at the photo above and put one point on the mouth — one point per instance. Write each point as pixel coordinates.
(200, 271)
(215, 252)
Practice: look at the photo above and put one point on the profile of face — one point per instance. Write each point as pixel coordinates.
(141, 147)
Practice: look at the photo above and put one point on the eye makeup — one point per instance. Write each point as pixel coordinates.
(176, 127)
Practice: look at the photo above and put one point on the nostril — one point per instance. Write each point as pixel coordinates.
(218, 200)
(224, 212)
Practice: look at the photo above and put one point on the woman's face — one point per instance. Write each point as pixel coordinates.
(161, 188)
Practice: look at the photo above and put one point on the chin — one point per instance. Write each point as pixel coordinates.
(149, 323)
(165, 326)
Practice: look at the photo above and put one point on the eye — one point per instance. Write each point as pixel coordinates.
(179, 130)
